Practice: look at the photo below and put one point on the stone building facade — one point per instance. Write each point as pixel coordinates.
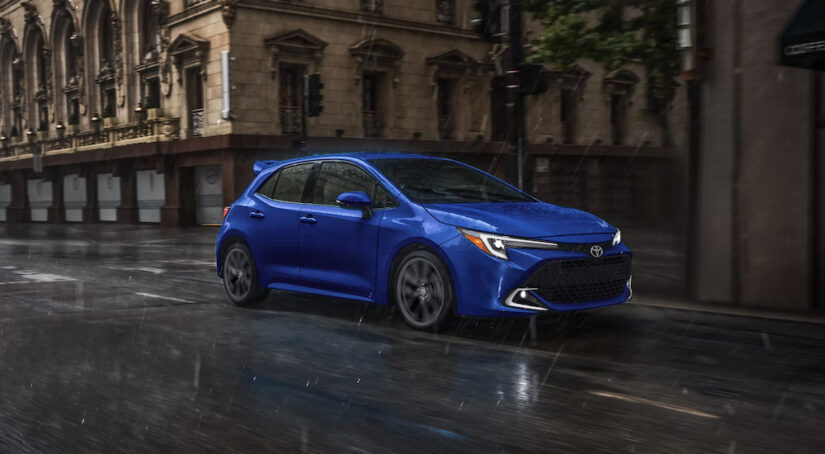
(122, 103)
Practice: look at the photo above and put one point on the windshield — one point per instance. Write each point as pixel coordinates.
(438, 181)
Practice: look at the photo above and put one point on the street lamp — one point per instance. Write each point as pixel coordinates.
(140, 112)
(95, 121)
(61, 130)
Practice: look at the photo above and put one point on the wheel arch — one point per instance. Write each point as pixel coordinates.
(401, 250)
(228, 240)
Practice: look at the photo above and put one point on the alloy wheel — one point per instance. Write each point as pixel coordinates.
(237, 274)
(420, 292)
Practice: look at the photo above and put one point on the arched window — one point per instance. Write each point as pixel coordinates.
(11, 88)
(101, 31)
(67, 52)
(149, 12)
(148, 32)
(36, 56)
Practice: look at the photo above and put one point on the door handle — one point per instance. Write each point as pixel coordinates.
(256, 214)
(308, 219)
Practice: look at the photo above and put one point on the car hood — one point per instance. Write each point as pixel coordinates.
(522, 219)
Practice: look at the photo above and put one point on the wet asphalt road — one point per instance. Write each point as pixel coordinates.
(119, 339)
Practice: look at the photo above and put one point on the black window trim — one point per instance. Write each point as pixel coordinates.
(277, 174)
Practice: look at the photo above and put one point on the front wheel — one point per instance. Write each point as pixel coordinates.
(240, 277)
(423, 290)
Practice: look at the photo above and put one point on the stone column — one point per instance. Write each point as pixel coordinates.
(170, 215)
(18, 211)
(90, 211)
(55, 211)
(127, 210)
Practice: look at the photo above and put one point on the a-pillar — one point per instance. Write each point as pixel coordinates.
(91, 213)
(55, 210)
(127, 211)
(18, 209)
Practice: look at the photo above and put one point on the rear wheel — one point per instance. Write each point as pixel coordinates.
(240, 277)
(423, 290)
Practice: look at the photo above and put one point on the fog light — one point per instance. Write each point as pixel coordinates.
(629, 288)
(522, 298)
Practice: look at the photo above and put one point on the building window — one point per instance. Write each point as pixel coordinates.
(371, 104)
(38, 56)
(373, 6)
(105, 53)
(151, 92)
(73, 103)
(194, 101)
(445, 11)
(148, 33)
(568, 115)
(290, 97)
(445, 108)
(620, 88)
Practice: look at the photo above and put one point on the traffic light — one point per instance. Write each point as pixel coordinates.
(488, 22)
(532, 78)
(315, 99)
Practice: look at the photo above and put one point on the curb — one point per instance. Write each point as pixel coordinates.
(687, 305)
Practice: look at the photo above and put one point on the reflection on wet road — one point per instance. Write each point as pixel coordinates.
(119, 339)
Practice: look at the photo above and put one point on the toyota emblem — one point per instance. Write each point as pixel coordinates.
(596, 250)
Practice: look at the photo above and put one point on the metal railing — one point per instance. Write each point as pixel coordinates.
(154, 130)
(290, 119)
(196, 125)
(372, 123)
(188, 3)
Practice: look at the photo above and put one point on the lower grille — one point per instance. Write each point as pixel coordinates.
(581, 280)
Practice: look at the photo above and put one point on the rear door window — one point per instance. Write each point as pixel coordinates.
(291, 183)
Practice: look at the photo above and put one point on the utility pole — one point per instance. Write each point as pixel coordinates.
(517, 143)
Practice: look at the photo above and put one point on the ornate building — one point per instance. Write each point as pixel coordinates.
(122, 111)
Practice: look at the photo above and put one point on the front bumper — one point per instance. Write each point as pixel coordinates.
(488, 286)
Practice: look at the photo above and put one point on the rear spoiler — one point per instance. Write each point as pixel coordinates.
(261, 165)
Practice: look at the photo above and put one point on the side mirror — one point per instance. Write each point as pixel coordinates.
(356, 200)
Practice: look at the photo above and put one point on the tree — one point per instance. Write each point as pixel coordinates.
(614, 33)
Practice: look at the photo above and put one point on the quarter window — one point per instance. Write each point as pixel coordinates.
(268, 186)
(291, 183)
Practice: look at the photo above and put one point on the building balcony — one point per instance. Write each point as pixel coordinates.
(153, 130)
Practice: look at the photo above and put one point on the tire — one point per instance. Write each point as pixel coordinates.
(422, 289)
(240, 277)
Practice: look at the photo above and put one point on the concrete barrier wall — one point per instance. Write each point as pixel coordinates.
(74, 197)
(151, 195)
(40, 199)
(209, 194)
(108, 196)
(5, 200)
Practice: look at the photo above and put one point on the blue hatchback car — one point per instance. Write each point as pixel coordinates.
(433, 236)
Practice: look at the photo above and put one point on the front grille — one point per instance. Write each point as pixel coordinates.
(581, 280)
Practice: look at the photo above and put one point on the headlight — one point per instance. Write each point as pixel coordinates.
(496, 245)
(617, 238)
